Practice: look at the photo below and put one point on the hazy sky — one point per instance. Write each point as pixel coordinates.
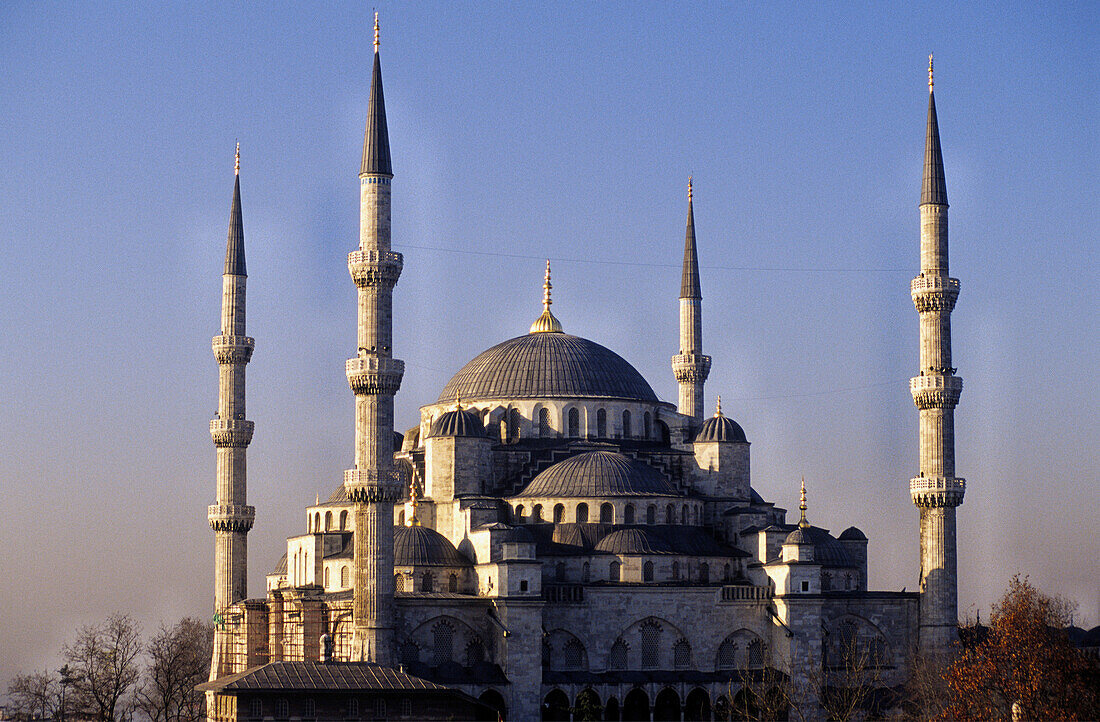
(521, 131)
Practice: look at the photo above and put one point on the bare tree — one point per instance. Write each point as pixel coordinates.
(179, 659)
(35, 695)
(104, 661)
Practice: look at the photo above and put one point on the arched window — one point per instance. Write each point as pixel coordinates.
(519, 513)
(582, 513)
(513, 425)
(613, 571)
(559, 513)
(536, 513)
(586, 572)
(675, 570)
(344, 520)
(398, 583)
(628, 514)
(544, 422)
(574, 423)
(651, 645)
(651, 515)
(410, 653)
(704, 573)
(380, 708)
(670, 514)
(726, 572)
(310, 708)
(452, 583)
(626, 424)
(317, 522)
(647, 425)
(684, 518)
(727, 654)
(344, 577)
(601, 423)
(617, 658)
(647, 572)
(282, 708)
(607, 513)
(442, 643)
(326, 577)
(309, 523)
(559, 572)
(401, 518)
(681, 654)
(475, 653)
(756, 653)
(573, 654)
(328, 521)
(427, 582)
(353, 707)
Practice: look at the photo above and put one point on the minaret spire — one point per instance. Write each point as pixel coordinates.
(691, 366)
(230, 517)
(936, 491)
(373, 484)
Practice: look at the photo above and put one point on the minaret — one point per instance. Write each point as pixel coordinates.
(690, 366)
(230, 517)
(937, 491)
(374, 376)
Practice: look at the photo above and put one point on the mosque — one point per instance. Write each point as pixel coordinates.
(552, 536)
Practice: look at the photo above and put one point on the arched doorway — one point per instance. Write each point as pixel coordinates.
(587, 707)
(636, 706)
(697, 706)
(556, 706)
(721, 708)
(611, 710)
(667, 706)
(493, 699)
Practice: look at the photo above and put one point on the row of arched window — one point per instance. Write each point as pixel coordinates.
(408, 582)
(571, 425)
(699, 574)
(443, 637)
(671, 514)
(313, 523)
(740, 650)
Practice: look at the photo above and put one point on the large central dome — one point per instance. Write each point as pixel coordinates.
(547, 365)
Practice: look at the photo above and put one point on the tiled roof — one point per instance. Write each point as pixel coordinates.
(321, 676)
(545, 365)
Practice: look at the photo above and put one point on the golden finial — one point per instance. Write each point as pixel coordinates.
(376, 43)
(929, 72)
(689, 189)
(458, 402)
(414, 503)
(718, 409)
(546, 286)
(546, 323)
(802, 505)
(237, 162)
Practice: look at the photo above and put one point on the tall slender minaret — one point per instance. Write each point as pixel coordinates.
(690, 366)
(374, 376)
(937, 491)
(230, 517)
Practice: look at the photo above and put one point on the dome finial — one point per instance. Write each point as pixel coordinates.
(414, 502)
(546, 323)
(929, 72)
(237, 161)
(802, 505)
(458, 402)
(718, 407)
(376, 43)
(689, 189)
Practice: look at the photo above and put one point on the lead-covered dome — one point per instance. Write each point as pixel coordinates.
(415, 546)
(458, 422)
(720, 428)
(547, 365)
(599, 474)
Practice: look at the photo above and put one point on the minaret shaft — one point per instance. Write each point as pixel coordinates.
(936, 491)
(374, 376)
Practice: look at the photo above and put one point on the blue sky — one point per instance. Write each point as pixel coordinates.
(521, 132)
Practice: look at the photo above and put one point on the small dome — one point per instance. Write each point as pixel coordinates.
(415, 546)
(458, 422)
(720, 428)
(852, 534)
(635, 540)
(798, 536)
(828, 551)
(599, 474)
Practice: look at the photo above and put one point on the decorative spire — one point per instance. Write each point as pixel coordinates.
(376, 138)
(458, 402)
(689, 281)
(234, 245)
(414, 502)
(803, 523)
(718, 409)
(237, 162)
(934, 185)
(546, 323)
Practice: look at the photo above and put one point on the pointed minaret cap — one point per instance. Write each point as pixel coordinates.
(689, 281)
(803, 523)
(376, 138)
(546, 323)
(933, 184)
(234, 245)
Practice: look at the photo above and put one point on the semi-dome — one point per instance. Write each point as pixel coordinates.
(415, 546)
(720, 428)
(852, 534)
(458, 422)
(599, 474)
(634, 540)
(547, 365)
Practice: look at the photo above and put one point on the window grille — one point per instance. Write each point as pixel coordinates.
(756, 653)
(443, 639)
(727, 655)
(651, 640)
(573, 655)
(681, 654)
(607, 514)
(647, 572)
(582, 513)
(617, 659)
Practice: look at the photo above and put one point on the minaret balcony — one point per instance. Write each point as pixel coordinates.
(231, 432)
(691, 367)
(373, 268)
(231, 517)
(937, 491)
(373, 485)
(374, 375)
(936, 391)
(934, 293)
(232, 349)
